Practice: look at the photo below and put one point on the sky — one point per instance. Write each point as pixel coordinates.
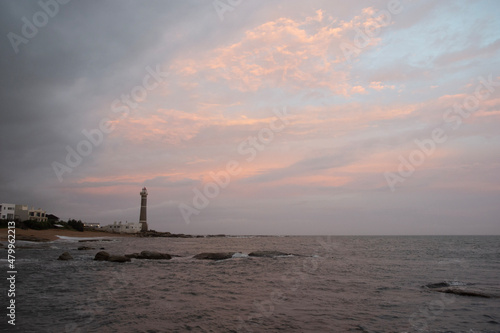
(255, 117)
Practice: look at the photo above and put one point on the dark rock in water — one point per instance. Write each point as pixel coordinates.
(153, 255)
(454, 288)
(65, 256)
(102, 256)
(437, 285)
(102, 248)
(152, 233)
(118, 259)
(267, 254)
(105, 256)
(132, 255)
(462, 292)
(214, 256)
(83, 248)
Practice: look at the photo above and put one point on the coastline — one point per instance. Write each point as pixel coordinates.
(51, 234)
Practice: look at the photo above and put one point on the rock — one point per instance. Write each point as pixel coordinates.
(102, 256)
(267, 254)
(83, 248)
(153, 255)
(152, 233)
(118, 259)
(214, 255)
(454, 287)
(133, 255)
(102, 248)
(65, 256)
(105, 256)
(462, 292)
(437, 285)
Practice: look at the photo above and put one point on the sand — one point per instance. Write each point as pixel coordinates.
(51, 234)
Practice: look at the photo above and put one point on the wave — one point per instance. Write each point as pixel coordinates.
(240, 255)
(77, 239)
(445, 284)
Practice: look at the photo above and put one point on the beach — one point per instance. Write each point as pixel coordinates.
(51, 234)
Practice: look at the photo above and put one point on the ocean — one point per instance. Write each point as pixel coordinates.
(327, 284)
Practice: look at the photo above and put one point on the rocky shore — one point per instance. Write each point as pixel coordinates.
(153, 233)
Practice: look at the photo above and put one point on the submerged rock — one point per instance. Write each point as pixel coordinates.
(118, 259)
(214, 255)
(445, 284)
(454, 287)
(65, 256)
(84, 248)
(105, 256)
(268, 254)
(102, 256)
(153, 255)
(462, 292)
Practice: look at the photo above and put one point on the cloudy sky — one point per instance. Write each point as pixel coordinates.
(255, 117)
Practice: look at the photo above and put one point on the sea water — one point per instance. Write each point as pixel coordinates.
(329, 284)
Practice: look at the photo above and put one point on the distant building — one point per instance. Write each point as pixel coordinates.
(38, 215)
(21, 213)
(52, 217)
(124, 228)
(7, 211)
(92, 225)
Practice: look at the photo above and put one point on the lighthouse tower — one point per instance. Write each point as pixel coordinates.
(144, 202)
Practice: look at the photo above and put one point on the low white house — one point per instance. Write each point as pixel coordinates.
(7, 211)
(125, 228)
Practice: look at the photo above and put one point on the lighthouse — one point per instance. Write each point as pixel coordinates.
(144, 203)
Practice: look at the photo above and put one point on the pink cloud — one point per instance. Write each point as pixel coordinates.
(295, 54)
(377, 85)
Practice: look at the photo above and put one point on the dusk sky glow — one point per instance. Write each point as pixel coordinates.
(261, 117)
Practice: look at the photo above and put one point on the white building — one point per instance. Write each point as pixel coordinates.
(38, 215)
(7, 211)
(124, 228)
(21, 212)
